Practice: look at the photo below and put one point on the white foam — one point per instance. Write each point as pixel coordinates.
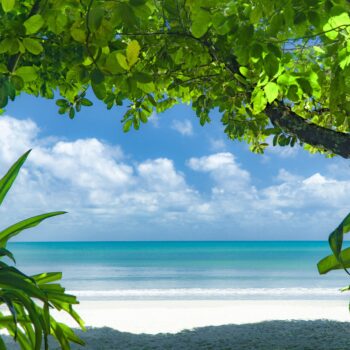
(208, 292)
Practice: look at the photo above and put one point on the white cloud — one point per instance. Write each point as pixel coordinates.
(88, 164)
(17, 136)
(217, 145)
(184, 127)
(223, 168)
(160, 174)
(91, 180)
(109, 196)
(308, 205)
(286, 176)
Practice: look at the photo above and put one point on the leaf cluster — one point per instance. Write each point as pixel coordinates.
(29, 299)
(237, 57)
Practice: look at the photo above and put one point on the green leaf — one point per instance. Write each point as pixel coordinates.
(127, 125)
(244, 71)
(132, 53)
(143, 116)
(3, 96)
(271, 64)
(146, 87)
(305, 86)
(15, 229)
(143, 77)
(33, 24)
(33, 46)
(17, 82)
(27, 73)
(78, 35)
(336, 23)
(112, 63)
(99, 90)
(293, 93)
(259, 101)
(86, 102)
(271, 91)
(47, 277)
(7, 181)
(95, 18)
(62, 103)
(71, 113)
(5, 252)
(335, 241)
(344, 62)
(122, 61)
(314, 18)
(330, 262)
(7, 5)
(15, 280)
(201, 20)
(97, 76)
(256, 51)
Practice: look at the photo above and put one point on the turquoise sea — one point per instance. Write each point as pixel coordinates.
(186, 270)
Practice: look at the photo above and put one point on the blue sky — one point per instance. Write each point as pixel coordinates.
(172, 180)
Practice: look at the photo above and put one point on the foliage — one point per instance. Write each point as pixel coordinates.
(340, 259)
(30, 298)
(236, 56)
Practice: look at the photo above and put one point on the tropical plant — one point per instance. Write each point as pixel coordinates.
(340, 258)
(30, 298)
(271, 68)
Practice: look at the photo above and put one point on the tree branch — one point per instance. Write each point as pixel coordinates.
(333, 141)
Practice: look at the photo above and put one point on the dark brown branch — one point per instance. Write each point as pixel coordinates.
(330, 140)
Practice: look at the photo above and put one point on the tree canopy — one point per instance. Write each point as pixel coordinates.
(271, 68)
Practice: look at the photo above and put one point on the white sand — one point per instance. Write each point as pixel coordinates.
(173, 316)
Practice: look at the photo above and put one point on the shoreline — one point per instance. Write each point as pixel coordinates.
(167, 316)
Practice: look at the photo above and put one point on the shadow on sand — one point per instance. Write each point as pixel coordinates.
(271, 335)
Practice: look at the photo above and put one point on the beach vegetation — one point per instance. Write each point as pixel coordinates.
(278, 73)
(29, 298)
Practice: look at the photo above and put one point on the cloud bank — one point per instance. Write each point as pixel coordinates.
(109, 196)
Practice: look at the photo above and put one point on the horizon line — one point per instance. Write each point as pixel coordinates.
(167, 241)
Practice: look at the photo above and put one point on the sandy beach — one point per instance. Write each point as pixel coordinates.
(166, 316)
(246, 324)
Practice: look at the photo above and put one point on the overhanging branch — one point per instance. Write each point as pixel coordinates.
(333, 141)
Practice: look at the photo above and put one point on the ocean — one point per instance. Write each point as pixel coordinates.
(186, 270)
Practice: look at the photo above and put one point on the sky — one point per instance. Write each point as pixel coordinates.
(171, 180)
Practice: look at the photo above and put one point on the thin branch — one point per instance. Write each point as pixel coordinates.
(310, 36)
(203, 77)
(87, 43)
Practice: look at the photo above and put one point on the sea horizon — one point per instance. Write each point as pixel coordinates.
(170, 241)
(185, 270)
